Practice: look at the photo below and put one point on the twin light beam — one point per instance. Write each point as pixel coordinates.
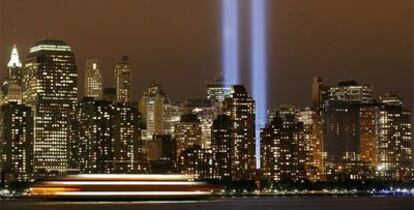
(258, 68)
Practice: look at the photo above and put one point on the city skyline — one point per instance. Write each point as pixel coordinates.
(362, 56)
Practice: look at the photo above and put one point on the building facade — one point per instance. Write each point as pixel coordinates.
(16, 143)
(50, 89)
(93, 79)
(123, 80)
(241, 109)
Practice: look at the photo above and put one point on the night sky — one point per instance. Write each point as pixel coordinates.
(177, 42)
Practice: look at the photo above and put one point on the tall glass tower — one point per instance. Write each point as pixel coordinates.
(50, 88)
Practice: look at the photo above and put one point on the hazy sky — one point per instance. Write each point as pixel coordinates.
(177, 42)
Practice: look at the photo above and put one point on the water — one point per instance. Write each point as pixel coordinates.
(287, 203)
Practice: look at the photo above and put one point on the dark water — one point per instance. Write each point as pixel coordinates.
(288, 203)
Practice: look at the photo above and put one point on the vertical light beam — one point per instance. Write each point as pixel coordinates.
(230, 41)
(259, 66)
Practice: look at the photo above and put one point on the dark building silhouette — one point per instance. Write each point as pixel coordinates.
(221, 147)
(16, 143)
(241, 109)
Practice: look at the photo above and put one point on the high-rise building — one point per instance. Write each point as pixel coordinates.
(241, 109)
(12, 86)
(394, 140)
(15, 66)
(341, 132)
(127, 148)
(154, 106)
(16, 139)
(342, 141)
(123, 80)
(313, 144)
(197, 161)
(188, 133)
(368, 115)
(351, 91)
(107, 138)
(50, 88)
(283, 154)
(93, 79)
(319, 93)
(91, 146)
(173, 116)
(205, 112)
(221, 147)
(162, 154)
(216, 90)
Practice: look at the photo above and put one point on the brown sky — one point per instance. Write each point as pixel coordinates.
(177, 42)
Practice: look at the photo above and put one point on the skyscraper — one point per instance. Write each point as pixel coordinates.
(394, 139)
(342, 140)
(188, 132)
(154, 106)
(283, 148)
(313, 144)
(16, 139)
(216, 90)
(127, 148)
(241, 109)
(50, 88)
(351, 91)
(221, 147)
(319, 93)
(12, 86)
(123, 80)
(91, 147)
(197, 161)
(93, 79)
(369, 137)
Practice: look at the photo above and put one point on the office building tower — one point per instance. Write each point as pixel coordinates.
(283, 149)
(241, 109)
(216, 90)
(368, 115)
(174, 111)
(127, 147)
(107, 138)
(154, 106)
(197, 161)
(162, 154)
(394, 139)
(188, 133)
(205, 112)
(50, 88)
(91, 145)
(93, 79)
(319, 93)
(351, 91)
(341, 132)
(16, 139)
(342, 141)
(12, 86)
(221, 147)
(123, 80)
(313, 144)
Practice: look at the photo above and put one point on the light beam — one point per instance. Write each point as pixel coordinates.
(230, 41)
(259, 66)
